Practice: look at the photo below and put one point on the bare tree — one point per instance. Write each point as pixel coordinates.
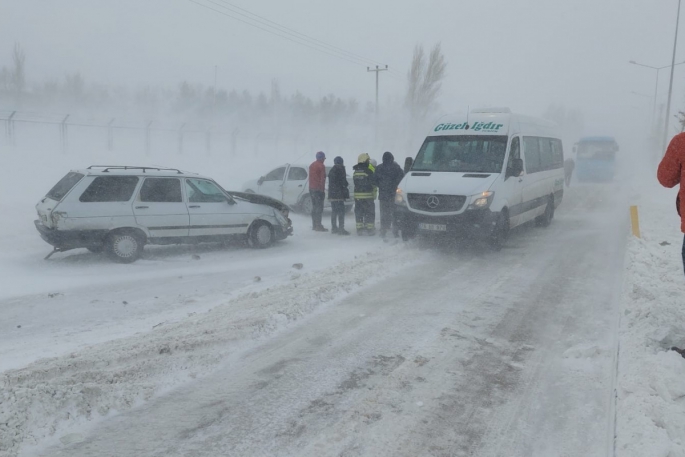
(424, 81)
(19, 72)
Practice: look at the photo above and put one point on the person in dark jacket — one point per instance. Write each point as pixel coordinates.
(364, 195)
(317, 190)
(338, 192)
(388, 176)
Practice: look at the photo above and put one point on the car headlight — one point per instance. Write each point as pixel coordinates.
(482, 200)
(281, 220)
(399, 197)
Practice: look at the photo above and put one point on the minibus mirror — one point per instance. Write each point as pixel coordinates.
(516, 168)
(408, 163)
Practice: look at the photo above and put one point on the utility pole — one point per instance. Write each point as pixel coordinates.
(377, 70)
(670, 85)
(216, 68)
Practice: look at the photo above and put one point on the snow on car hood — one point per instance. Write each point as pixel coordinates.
(447, 183)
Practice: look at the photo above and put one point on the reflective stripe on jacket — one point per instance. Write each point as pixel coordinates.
(364, 182)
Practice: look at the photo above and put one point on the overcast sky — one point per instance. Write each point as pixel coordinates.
(519, 53)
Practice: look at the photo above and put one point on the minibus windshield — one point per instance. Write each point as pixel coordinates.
(462, 153)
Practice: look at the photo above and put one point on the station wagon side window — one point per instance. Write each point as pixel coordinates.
(531, 151)
(297, 174)
(161, 190)
(275, 175)
(110, 189)
(203, 191)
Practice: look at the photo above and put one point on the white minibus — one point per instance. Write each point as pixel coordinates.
(481, 175)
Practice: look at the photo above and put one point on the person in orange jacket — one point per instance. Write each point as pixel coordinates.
(671, 173)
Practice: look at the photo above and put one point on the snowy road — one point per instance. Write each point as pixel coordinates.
(459, 352)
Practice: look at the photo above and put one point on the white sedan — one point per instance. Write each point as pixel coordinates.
(289, 183)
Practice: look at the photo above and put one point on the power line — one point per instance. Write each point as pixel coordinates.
(293, 32)
(289, 34)
(330, 53)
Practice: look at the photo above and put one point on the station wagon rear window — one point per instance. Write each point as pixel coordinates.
(64, 186)
(110, 189)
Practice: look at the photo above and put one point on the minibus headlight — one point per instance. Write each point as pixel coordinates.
(399, 197)
(482, 200)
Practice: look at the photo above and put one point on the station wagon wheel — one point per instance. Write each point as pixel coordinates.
(306, 204)
(261, 235)
(124, 247)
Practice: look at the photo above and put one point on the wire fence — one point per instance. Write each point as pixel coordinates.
(65, 133)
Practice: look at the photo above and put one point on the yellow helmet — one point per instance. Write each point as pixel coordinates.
(364, 157)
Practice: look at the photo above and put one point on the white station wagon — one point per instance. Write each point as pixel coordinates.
(119, 209)
(289, 183)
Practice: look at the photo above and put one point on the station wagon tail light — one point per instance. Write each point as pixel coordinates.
(482, 200)
(57, 215)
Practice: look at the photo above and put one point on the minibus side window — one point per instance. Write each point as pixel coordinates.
(531, 151)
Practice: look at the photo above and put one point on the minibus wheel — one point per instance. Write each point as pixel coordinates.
(546, 218)
(500, 232)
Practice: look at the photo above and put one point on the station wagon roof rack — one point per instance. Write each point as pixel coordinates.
(128, 167)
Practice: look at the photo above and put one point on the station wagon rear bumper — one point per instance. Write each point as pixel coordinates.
(70, 239)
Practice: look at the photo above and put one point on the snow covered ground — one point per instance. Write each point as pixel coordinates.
(369, 349)
(651, 383)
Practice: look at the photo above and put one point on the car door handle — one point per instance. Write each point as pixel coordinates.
(194, 206)
(142, 207)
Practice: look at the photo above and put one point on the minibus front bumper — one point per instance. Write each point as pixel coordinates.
(469, 224)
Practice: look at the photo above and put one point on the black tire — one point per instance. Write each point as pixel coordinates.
(261, 235)
(500, 233)
(408, 232)
(306, 204)
(96, 249)
(546, 218)
(124, 246)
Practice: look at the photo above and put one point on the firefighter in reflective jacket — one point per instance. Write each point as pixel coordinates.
(364, 193)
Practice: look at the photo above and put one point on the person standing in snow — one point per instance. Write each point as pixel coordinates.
(672, 173)
(338, 192)
(569, 166)
(388, 176)
(364, 188)
(317, 190)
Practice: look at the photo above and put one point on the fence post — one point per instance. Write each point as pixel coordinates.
(63, 134)
(110, 135)
(208, 140)
(147, 138)
(180, 139)
(9, 129)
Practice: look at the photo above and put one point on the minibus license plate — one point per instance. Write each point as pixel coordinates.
(433, 227)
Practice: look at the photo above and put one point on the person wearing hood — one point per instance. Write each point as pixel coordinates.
(388, 176)
(364, 205)
(338, 192)
(317, 190)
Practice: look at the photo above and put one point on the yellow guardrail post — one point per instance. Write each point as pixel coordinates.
(635, 221)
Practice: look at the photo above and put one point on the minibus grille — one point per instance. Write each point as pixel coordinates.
(436, 203)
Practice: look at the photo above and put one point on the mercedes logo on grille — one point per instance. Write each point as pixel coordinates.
(432, 202)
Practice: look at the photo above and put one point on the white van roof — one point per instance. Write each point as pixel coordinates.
(494, 121)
